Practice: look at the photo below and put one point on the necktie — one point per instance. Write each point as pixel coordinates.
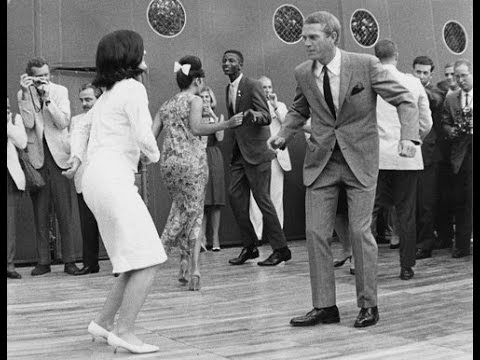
(327, 93)
(466, 100)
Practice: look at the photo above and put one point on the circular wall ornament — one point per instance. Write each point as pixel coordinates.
(364, 28)
(166, 17)
(455, 37)
(288, 23)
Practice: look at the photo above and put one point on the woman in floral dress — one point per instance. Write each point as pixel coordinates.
(183, 164)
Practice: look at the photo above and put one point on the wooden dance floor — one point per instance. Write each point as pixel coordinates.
(243, 312)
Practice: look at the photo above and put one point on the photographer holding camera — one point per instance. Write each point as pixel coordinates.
(45, 109)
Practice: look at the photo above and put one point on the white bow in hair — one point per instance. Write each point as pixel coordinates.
(185, 67)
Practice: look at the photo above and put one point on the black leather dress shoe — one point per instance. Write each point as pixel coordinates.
(327, 315)
(70, 268)
(276, 257)
(406, 273)
(423, 254)
(459, 253)
(247, 253)
(40, 270)
(13, 275)
(367, 317)
(88, 270)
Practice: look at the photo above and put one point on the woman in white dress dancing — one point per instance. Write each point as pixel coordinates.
(120, 135)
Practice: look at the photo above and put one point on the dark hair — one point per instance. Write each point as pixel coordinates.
(118, 56)
(236, 52)
(37, 62)
(385, 49)
(329, 21)
(196, 71)
(424, 60)
(450, 64)
(96, 91)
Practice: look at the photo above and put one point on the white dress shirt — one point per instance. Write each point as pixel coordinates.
(389, 125)
(333, 68)
(232, 91)
(470, 99)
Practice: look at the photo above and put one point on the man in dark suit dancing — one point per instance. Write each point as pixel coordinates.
(250, 167)
(338, 90)
(458, 123)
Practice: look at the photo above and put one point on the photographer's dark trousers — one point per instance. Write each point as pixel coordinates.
(427, 206)
(62, 192)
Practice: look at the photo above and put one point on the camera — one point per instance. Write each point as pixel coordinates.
(38, 82)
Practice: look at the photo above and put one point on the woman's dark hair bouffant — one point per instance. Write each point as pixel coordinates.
(118, 56)
(196, 71)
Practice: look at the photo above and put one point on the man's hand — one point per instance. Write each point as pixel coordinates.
(25, 82)
(144, 159)
(273, 100)
(74, 165)
(276, 142)
(406, 148)
(44, 91)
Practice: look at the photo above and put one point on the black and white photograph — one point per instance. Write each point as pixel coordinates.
(230, 180)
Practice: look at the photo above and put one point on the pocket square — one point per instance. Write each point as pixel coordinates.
(357, 88)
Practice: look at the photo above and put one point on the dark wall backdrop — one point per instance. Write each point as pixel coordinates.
(68, 31)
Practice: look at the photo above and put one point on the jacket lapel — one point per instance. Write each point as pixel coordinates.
(240, 94)
(345, 76)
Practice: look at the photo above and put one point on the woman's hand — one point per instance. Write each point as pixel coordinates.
(234, 121)
(74, 165)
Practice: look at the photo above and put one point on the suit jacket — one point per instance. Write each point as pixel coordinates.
(16, 138)
(251, 138)
(389, 125)
(79, 134)
(51, 121)
(431, 151)
(452, 113)
(283, 156)
(362, 77)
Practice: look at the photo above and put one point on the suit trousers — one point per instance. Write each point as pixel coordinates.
(61, 190)
(13, 198)
(398, 188)
(463, 192)
(427, 188)
(245, 177)
(321, 200)
(445, 204)
(276, 195)
(90, 233)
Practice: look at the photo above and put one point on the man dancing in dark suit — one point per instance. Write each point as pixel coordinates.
(251, 163)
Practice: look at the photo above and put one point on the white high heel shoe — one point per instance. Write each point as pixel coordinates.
(116, 342)
(97, 331)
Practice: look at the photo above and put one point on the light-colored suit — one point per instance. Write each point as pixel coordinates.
(280, 164)
(49, 151)
(79, 134)
(52, 123)
(353, 166)
(16, 138)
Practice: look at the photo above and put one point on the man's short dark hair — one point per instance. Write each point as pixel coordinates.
(96, 91)
(330, 23)
(385, 49)
(450, 64)
(423, 60)
(37, 62)
(236, 52)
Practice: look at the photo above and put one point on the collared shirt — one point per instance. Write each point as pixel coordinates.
(333, 68)
(232, 91)
(470, 99)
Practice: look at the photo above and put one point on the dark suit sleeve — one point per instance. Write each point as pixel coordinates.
(388, 87)
(259, 105)
(296, 117)
(447, 118)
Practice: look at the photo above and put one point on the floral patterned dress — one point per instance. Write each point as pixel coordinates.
(184, 171)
